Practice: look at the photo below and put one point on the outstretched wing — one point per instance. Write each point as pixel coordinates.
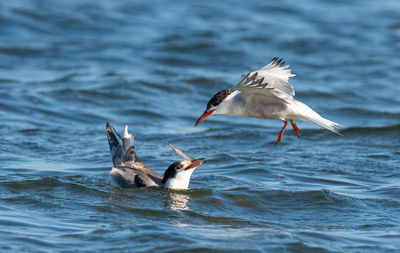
(270, 81)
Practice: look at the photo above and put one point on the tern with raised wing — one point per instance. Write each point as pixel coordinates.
(130, 172)
(266, 94)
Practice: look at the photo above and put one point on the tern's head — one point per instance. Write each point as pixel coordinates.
(215, 103)
(178, 174)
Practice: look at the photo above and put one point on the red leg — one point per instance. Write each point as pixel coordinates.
(281, 132)
(295, 128)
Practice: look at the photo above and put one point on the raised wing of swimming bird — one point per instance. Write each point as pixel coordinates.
(123, 152)
(270, 81)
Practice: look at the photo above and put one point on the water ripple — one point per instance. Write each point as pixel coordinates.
(68, 67)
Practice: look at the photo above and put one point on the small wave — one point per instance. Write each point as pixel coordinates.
(157, 86)
(63, 79)
(173, 61)
(85, 94)
(250, 172)
(379, 156)
(320, 198)
(390, 190)
(189, 47)
(73, 184)
(369, 113)
(5, 80)
(372, 130)
(142, 112)
(23, 52)
(29, 131)
(29, 14)
(203, 81)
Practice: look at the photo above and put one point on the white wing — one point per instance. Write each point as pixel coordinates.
(270, 81)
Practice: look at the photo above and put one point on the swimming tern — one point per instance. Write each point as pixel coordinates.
(130, 172)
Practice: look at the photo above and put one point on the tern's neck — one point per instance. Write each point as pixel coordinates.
(180, 181)
(233, 105)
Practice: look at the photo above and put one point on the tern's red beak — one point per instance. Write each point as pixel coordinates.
(204, 116)
(194, 163)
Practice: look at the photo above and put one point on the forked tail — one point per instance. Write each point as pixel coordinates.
(310, 115)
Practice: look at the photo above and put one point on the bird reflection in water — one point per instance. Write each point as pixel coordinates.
(177, 200)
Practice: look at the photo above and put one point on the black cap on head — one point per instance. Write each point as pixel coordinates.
(171, 171)
(218, 98)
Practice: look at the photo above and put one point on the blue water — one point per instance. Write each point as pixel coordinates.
(68, 67)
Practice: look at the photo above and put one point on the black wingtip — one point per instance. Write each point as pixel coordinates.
(278, 61)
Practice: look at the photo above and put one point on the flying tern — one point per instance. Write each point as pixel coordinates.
(265, 94)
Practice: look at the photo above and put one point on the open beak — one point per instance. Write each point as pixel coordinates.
(195, 163)
(204, 116)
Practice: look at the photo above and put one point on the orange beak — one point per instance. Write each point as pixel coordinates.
(204, 116)
(195, 163)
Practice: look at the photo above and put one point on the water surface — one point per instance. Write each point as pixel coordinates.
(68, 67)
